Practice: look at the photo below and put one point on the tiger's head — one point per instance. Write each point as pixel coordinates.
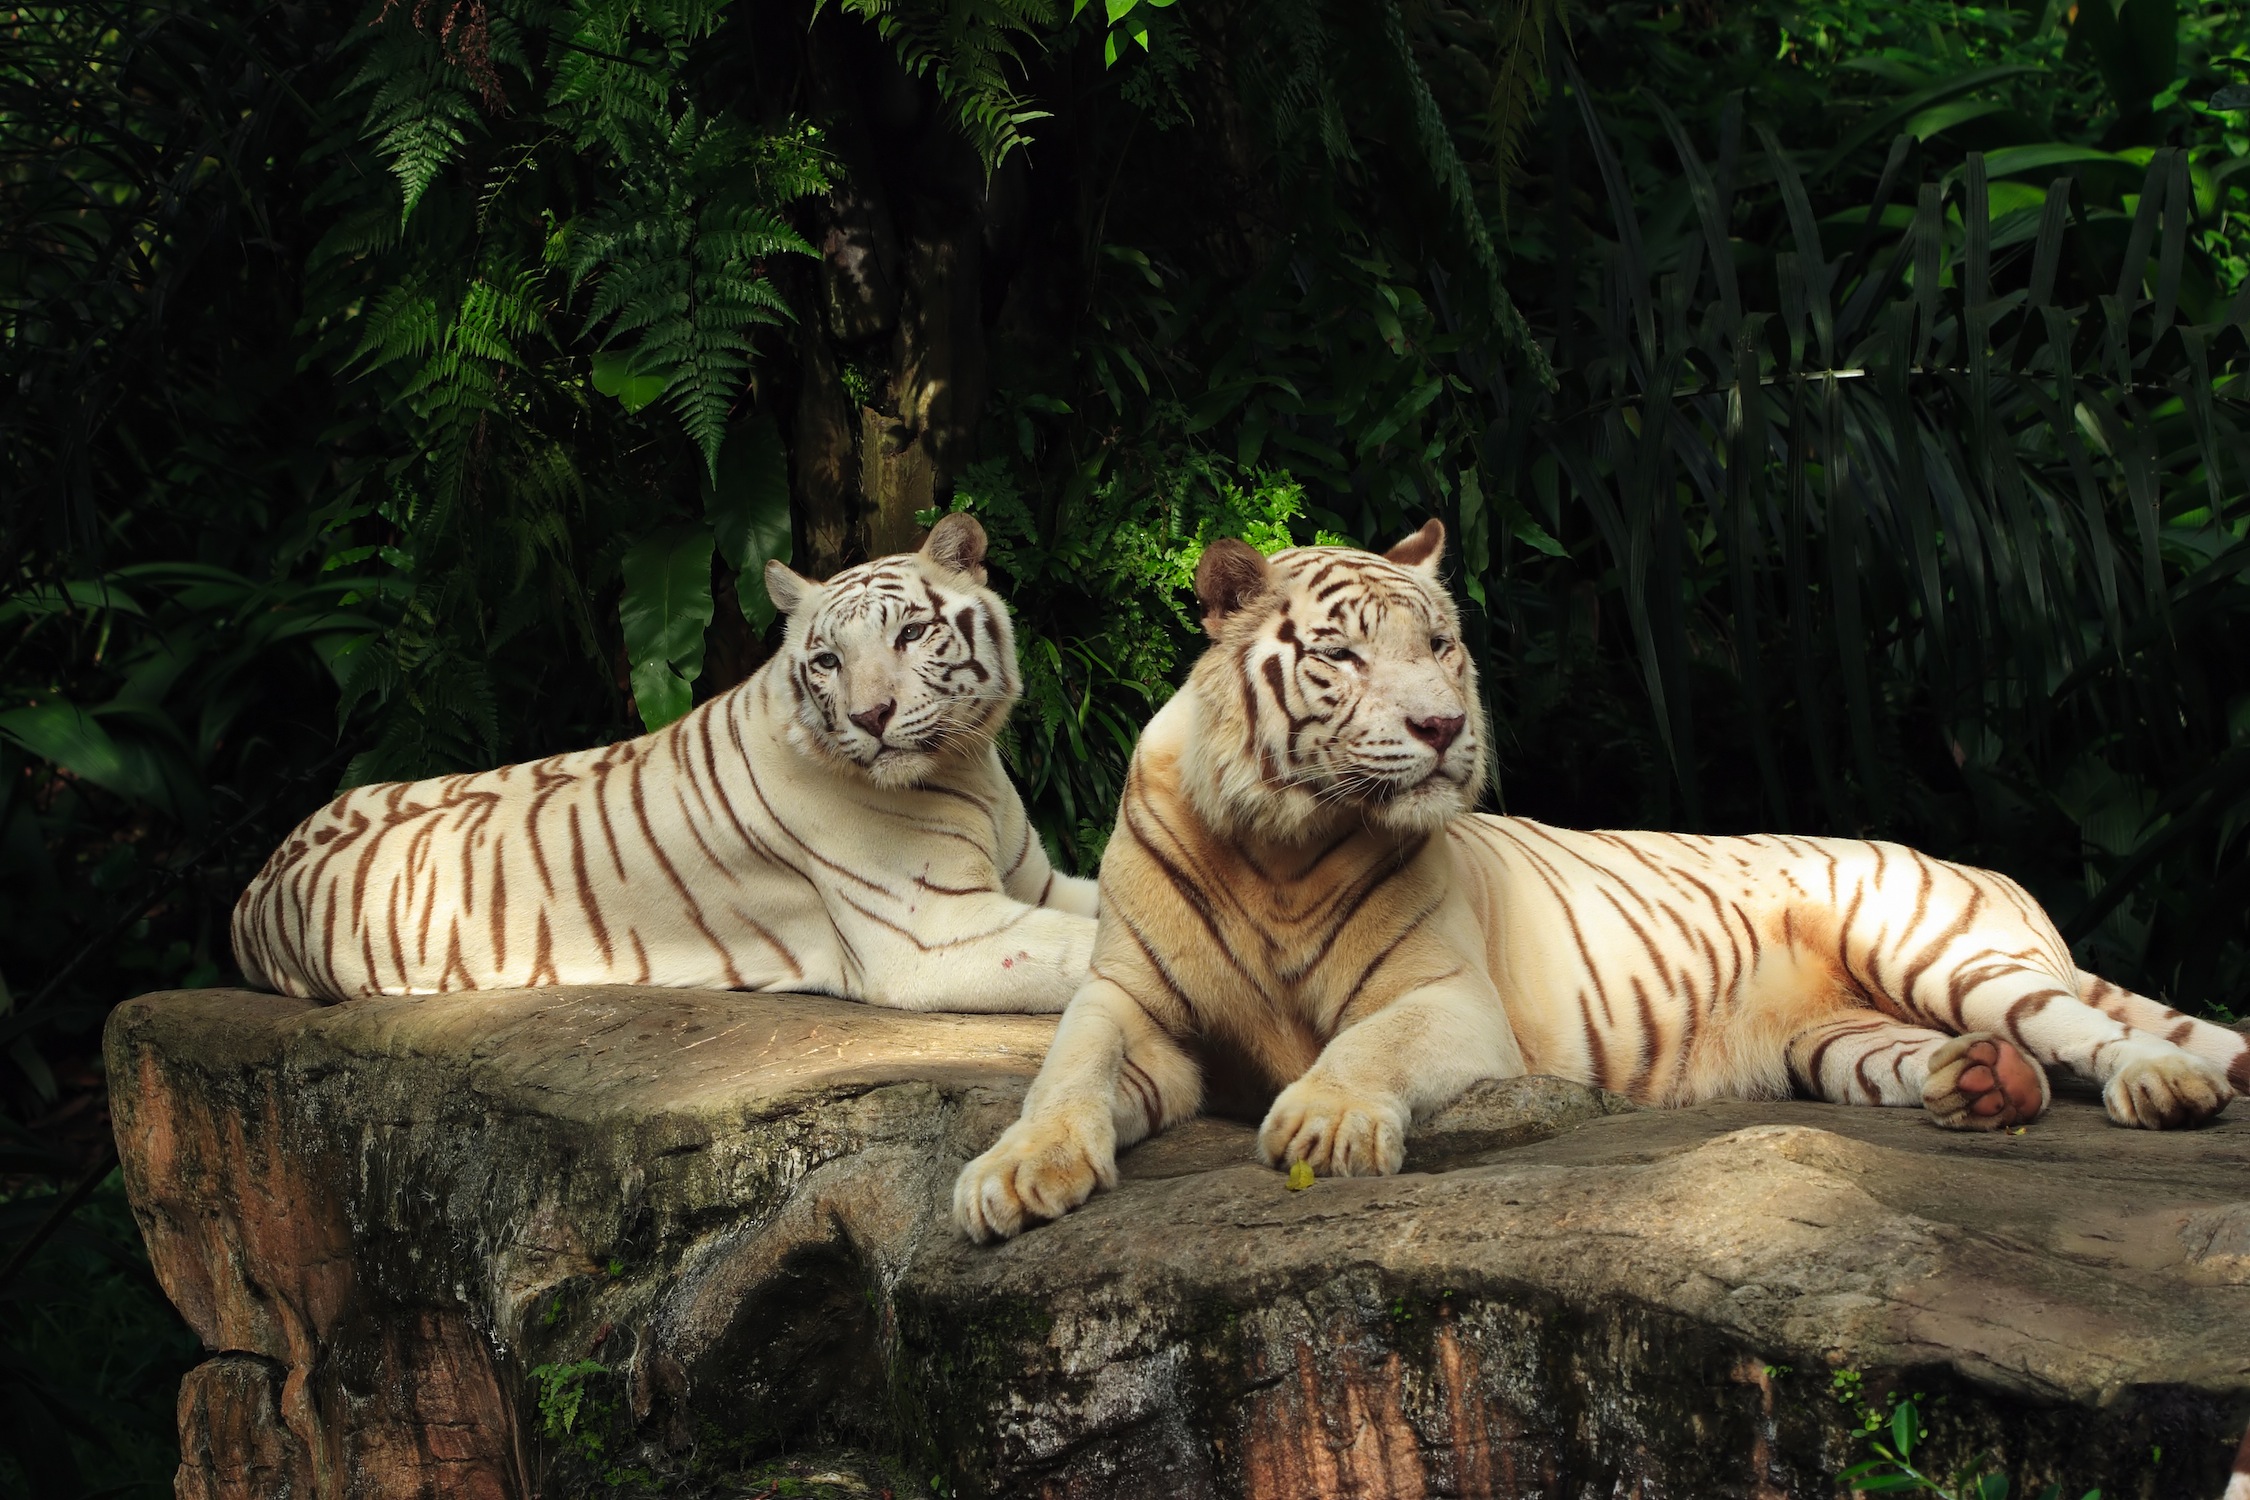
(899, 665)
(1336, 689)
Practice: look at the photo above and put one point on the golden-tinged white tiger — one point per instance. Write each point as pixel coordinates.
(839, 823)
(1297, 906)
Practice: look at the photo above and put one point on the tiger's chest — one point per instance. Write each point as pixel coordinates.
(1273, 948)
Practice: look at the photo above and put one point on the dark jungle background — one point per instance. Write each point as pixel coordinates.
(1841, 411)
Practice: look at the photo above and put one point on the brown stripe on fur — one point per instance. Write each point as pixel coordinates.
(672, 874)
(1157, 966)
(543, 956)
(1650, 1037)
(586, 900)
(1933, 950)
(1648, 944)
(499, 902)
(1145, 1092)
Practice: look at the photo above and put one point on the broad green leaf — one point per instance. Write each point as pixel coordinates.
(2005, 198)
(1949, 114)
(1119, 9)
(665, 609)
(40, 599)
(2010, 160)
(1904, 1420)
(613, 376)
(660, 694)
(73, 739)
(1476, 532)
(1527, 530)
(1885, 120)
(1993, 1486)
(747, 503)
(135, 766)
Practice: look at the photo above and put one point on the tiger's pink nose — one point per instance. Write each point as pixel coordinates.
(1437, 733)
(873, 719)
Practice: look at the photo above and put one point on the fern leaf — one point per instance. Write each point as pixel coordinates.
(1453, 176)
(1523, 26)
(967, 48)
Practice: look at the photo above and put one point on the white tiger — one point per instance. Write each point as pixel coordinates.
(1298, 908)
(839, 824)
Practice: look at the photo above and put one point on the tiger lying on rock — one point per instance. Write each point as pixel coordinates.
(838, 823)
(1297, 899)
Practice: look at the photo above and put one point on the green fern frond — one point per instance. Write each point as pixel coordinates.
(422, 140)
(403, 322)
(1523, 26)
(1294, 74)
(788, 164)
(616, 66)
(1445, 163)
(420, 110)
(968, 49)
(679, 260)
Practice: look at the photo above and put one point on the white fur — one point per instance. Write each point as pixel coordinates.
(764, 842)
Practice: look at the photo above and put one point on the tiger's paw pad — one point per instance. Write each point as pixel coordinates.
(2166, 1090)
(1038, 1170)
(1335, 1133)
(1979, 1081)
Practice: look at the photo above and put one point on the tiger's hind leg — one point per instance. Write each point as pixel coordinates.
(2229, 1049)
(2146, 1081)
(1972, 1082)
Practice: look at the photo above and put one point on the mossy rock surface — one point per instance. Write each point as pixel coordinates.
(612, 1241)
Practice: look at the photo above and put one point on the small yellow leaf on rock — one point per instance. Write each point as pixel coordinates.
(1300, 1177)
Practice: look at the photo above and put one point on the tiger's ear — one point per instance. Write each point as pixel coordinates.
(956, 543)
(786, 588)
(1230, 575)
(1421, 551)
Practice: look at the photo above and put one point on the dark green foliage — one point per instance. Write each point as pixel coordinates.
(1977, 588)
(1838, 410)
(90, 1355)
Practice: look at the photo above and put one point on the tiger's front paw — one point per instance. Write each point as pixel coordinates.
(2165, 1090)
(1979, 1081)
(1038, 1170)
(1336, 1133)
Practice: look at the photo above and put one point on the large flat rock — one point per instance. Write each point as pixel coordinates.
(584, 1241)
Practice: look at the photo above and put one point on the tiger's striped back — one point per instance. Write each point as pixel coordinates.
(769, 840)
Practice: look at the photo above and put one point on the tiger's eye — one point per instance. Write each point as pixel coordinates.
(913, 632)
(827, 661)
(1439, 645)
(1338, 653)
